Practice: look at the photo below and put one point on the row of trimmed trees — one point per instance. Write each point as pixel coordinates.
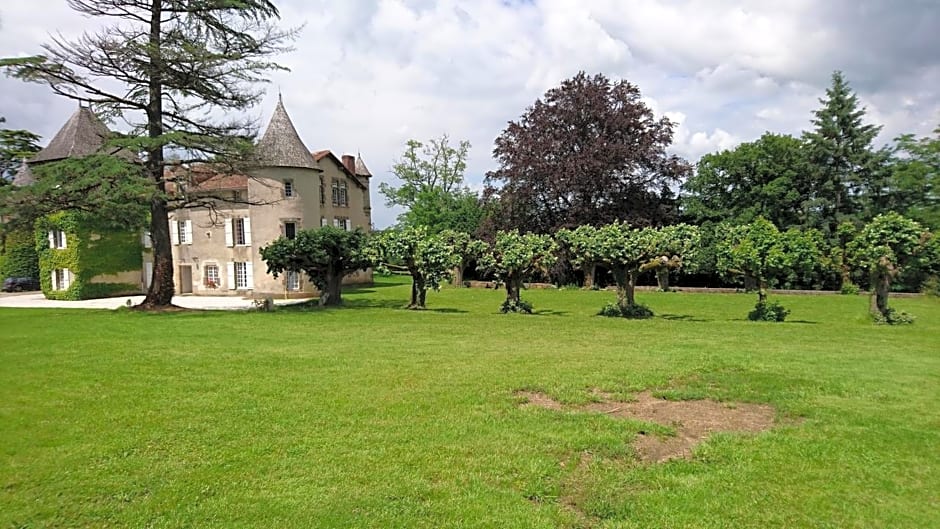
(757, 251)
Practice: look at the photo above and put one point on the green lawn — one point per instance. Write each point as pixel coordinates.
(373, 416)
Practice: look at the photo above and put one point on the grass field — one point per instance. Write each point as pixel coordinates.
(373, 416)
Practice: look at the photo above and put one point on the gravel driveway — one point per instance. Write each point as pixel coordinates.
(37, 300)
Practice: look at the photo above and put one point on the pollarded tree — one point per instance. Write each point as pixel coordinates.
(884, 247)
(513, 258)
(580, 246)
(625, 251)
(466, 247)
(429, 258)
(166, 67)
(677, 248)
(761, 252)
(589, 152)
(326, 255)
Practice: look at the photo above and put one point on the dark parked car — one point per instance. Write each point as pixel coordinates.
(20, 284)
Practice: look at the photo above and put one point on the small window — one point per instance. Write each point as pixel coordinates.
(57, 239)
(288, 189)
(61, 279)
(185, 231)
(293, 280)
(322, 193)
(343, 223)
(212, 276)
(238, 226)
(241, 275)
(290, 230)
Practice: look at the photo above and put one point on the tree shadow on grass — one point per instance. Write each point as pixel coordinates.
(681, 317)
(394, 304)
(550, 312)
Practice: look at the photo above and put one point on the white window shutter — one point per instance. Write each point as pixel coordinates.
(188, 231)
(335, 222)
(229, 239)
(67, 276)
(247, 223)
(231, 275)
(148, 274)
(323, 222)
(64, 240)
(52, 241)
(348, 224)
(55, 284)
(174, 232)
(250, 274)
(147, 240)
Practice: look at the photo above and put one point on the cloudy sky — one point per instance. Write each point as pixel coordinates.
(367, 75)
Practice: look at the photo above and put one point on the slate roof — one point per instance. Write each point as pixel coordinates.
(281, 146)
(82, 135)
(361, 169)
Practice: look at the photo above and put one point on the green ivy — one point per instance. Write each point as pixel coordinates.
(90, 252)
(18, 257)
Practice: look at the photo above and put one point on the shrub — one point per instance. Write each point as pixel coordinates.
(931, 287)
(764, 311)
(512, 306)
(634, 312)
(893, 317)
(849, 289)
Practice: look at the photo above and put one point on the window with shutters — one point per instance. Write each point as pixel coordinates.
(288, 189)
(57, 239)
(241, 275)
(61, 279)
(293, 280)
(239, 232)
(342, 223)
(290, 230)
(211, 279)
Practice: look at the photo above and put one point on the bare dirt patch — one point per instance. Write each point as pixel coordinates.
(693, 420)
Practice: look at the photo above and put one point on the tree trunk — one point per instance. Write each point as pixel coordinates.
(160, 293)
(458, 275)
(662, 278)
(881, 285)
(418, 291)
(331, 296)
(762, 292)
(589, 271)
(631, 288)
(626, 286)
(513, 289)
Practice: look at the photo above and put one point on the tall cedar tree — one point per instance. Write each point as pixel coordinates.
(164, 66)
(589, 152)
(848, 175)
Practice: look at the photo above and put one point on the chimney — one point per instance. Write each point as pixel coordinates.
(349, 162)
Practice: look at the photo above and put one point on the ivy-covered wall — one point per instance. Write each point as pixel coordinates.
(18, 256)
(89, 254)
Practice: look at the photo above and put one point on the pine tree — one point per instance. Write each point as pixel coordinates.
(848, 173)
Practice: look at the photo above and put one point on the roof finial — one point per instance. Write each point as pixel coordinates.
(280, 98)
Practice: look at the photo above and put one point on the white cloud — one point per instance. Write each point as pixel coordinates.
(369, 74)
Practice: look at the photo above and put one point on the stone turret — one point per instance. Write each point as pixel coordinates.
(82, 135)
(281, 146)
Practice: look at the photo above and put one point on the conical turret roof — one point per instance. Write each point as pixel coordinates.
(281, 146)
(361, 169)
(82, 135)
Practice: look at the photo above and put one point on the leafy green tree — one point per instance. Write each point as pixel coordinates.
(625, 251)
(678, 245)
(168, 68)
(466, 247)
(848, 174)
(513, 257)
(915, 179)
(885, 247)
(761, 252)
(429, 258)
(326, 255)
(15, 147)
(580, 247)
(432, 187)
(768, 177)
